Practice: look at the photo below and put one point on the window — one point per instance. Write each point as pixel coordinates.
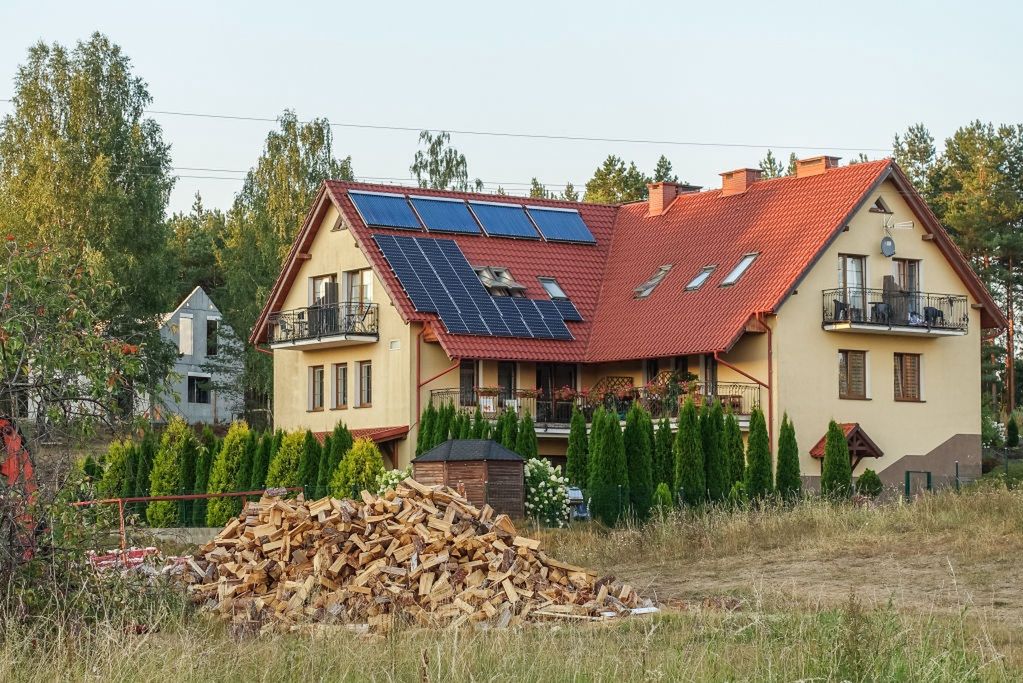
(700, 278)
(364, 377)
(323, 290)
(467, 383)
(644, 290)
(907, 274)
(198, 389)
(852, 374)
(744, 263)
(880, 206)
(359, 286)
(340, 385)
(185, 335)
(506, 379)
(552, 288)
(907, 377)
(212, 327)
(851, 278)
(316, 387)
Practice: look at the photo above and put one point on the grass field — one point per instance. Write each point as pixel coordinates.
(928, 591)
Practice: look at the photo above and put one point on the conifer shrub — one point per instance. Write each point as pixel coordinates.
(224, 474)
(576, 468)
(735, 450)
(526, 445)
(358, 470)
(307, 472)
(869, 484)
(479, 424)
(165, 477)
(759, 479)
(662, 499)
(787, 480)
(639, 460)
(690, 481)
(284, 466)
(115, 481)
(1012, 432)
(322, 484)
(664, 459)
(262, 463)
(609, 477)
(427, 424)
(340, 443)
(836, 472)
(716, 467)
(242, 479)
(510, 430)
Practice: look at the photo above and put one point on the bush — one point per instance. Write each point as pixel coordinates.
(664, 459)
(262, 463)
(340, 443)
(391, 478)
(689, 467)
(576, 466)
(224, 473)
(176, 445)
(662, 498)
(147, 454)
(525, 441)
(639, 460)
(759, 481)
(283, 471)
(358, 470)
(737, 496)
(307, 468)
(115, 481)
(510, 429)
(546, 493)
(735, 450)
(869, 484)
(787, 480)
(836, 474)
(479, 424)
(716, 467)
(609, 478)
(1012, 433)
(248, 463)
(424, 437)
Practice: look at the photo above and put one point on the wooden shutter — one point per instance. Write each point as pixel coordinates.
(907, 377)
(852, 381)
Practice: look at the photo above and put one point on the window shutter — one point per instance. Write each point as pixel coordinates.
(857, 374)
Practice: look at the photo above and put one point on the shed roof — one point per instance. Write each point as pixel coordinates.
(462, 450)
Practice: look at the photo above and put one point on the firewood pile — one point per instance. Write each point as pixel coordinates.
(419, 554)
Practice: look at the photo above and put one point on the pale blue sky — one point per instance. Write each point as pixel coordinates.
(764, 73)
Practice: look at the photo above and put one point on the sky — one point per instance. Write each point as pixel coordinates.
(814, 75)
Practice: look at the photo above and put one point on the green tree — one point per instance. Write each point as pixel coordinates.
(115, 481)
(735, 451)
(479, 424)
(525, 440)
(427, 424)
(664, 460)
(244, 476)
(576, 466)
(787, 479)
(307, 468)
(284, 466)
(340, 443)
(758, 480)
(537, 190)
(836, 472)
(793, 163)
(510, 429)
(915, 153)
(770, 167)
(663, 171)
(690, 478)
(615, 183)
(262, 463)
(323, 468)
(440, 166)
(609, 476)
(869, 484)
(570, 194)
(224, 474)
(442, 424)
(716, 467)
(1012, 433)
(147, 455)
(165, 479)
(358, 470)
(195, 240)
(639, 460)
(663, 501)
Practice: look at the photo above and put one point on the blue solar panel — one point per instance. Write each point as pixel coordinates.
(531, 316)
(445, 215)
(504, 220)
(567, 310)
(384, 210)
(561, 225)
(510, 314)
(406, 274)
(552, 319)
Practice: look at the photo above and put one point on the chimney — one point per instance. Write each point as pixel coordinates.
(815, 165)
(662, 194)
(738, 181)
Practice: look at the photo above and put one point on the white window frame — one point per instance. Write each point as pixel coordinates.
(360, 366)
(186, 342)
(701, 278)
(204, 376)
(334, 405)
(548, 283)
(736, 273)
(311, 383)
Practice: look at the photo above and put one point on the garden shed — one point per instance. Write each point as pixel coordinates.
(490, 473)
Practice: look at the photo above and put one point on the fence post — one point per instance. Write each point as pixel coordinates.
(957, 476)
(120, 513)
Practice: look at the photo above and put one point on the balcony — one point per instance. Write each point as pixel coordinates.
(881, 311)
(342, 324)
(553, 414)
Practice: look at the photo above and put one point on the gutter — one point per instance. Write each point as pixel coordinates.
(420, 383)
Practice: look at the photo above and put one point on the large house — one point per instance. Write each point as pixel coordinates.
(833, 293)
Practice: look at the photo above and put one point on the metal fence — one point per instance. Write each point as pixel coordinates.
(888, 308)
(324, 320)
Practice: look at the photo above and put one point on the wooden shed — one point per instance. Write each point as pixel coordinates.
(490, 473)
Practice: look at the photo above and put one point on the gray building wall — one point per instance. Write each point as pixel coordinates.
(189, 322)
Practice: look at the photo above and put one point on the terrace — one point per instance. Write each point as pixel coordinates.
(894, 311)
(325, 325)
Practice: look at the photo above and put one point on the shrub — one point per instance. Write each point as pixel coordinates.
(525, 442)
(358, 470)
(307, 471)
(340, 444)
(479, 424)
(165, 477)
(262, 463)
(442, 425)
(836, 474)
(716, 467)
(1012, 433)
(424, 437)
(510, 429)
(662, 498)
(283, 471)
(391, 478)
(689, 468)
(609, 478)
(322, 479)
(787, 480)
(546, 493)
(245, 467)
(759, 481)
(638, 460)
(737, 495)
(735, 450)
(147, 454)
(576, 455)
(869, 484)
(115, 481)
(224, 473)
(664, 459)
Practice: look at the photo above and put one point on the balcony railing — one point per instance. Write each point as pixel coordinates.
(546, 411)
(347, 318)
(887, 308)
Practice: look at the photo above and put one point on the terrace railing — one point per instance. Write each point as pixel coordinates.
(346, 318)
(894, 308)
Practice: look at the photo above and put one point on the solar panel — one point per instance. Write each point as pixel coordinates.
(384, 210)
(532, 317)
(504, 220)
(567, 310)
(510, 314)
(406, 274)
(445, 215)
(552, 319)
(560, 225)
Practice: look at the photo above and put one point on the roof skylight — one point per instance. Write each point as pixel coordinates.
(552, 288)
(744, 263)
(700, 278)
(644, 290)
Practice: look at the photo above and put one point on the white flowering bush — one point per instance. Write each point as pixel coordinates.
(546, 493)
(390, 479)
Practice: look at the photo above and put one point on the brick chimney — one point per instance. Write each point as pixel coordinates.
(815, 165)
(662, 194)
(738, 181)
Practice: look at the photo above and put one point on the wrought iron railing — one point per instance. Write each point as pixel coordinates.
(891, 308)
(739, 397)
(325, 320)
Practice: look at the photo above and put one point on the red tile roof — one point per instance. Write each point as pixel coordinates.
(375, 434)
(787, 221)
(818, 449)
(860, 445)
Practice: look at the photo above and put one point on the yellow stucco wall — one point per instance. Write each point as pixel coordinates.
(806, 357)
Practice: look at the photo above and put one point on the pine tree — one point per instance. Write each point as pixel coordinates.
(340, 443)
(758, 480)
(664, 460)
(307, 472)
(241, 482)
(576, 467)
(836, 472)
(735, 450)
(286, 462)
(609, 476)
(427, 424)
(358, 470)
(690, 480)
(510, 431)
(787, 479)
(716, 467)
(258, 480)
(526, 445)
(479, 424)
(639, 463)
(323, 467)
(1012, 433)
(223, 475)
(165, 477)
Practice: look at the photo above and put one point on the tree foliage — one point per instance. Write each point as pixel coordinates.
(639, 460)
(836, 472)
(690, 477)
(664, 457)
(663, 171)
(440, 166)
(615, 183)
(284, 466)
(525, 440)
(759, 479)
(116, 481)
(787, 479)
(225, 473)
(1012, 433)
(869, 484)
(176, 445)
(576, 455)
(716, 466)
(358, 470)
(735, 450)
(307, 466)
(609, 476)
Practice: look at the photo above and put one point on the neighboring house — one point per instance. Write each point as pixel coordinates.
(196, 328)
(830, 294)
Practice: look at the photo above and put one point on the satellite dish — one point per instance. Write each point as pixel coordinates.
(887, 246)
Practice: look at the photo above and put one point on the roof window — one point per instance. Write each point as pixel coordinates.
(499, 281)
(644, 290)
(700, 278)
(552, 288)
(744, 263)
